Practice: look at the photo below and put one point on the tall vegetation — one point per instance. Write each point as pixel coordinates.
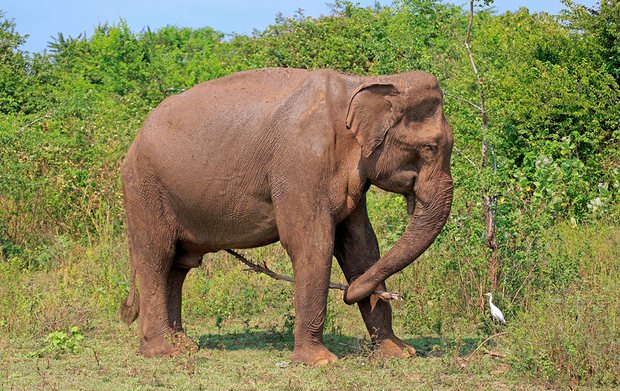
(552, 97)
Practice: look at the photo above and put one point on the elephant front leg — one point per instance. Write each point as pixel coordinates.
(311, 285)
(311, 252)
(356, 250)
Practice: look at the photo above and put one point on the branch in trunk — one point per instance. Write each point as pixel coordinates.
(383, 295)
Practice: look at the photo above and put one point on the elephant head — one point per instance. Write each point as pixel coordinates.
(406, 145)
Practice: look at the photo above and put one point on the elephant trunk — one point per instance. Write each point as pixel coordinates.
(432, 208)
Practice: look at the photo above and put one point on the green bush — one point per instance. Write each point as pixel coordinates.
(59, 342)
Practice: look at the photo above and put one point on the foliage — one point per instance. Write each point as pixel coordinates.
(601, 30)
(546, 86)
(59, 342)
(12, 66)
(357, 40)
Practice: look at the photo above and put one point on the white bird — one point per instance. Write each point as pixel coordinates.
(496, 313)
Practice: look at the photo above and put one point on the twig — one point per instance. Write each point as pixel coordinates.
(466, 158)
(523, 283)
(96, 358)
(463, 100)
(492, 353)
(34, 122)
(383, 295)
(470, 355)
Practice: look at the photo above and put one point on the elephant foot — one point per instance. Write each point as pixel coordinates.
(168, 346)
(315, 356)
(393, 347)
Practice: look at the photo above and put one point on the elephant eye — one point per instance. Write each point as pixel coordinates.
(429, 148)
(428, 151)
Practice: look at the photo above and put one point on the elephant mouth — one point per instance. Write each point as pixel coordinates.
(411, 196)
(411, 201)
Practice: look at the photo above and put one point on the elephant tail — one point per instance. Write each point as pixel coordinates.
(130, 308)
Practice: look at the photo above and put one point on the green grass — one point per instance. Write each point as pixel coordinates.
(570, 331)
(237, 358)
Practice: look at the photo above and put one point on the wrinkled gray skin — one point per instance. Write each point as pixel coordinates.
(288, 155)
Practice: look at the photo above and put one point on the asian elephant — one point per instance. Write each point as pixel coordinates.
(284, 154)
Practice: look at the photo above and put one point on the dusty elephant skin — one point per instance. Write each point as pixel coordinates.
(284, 154)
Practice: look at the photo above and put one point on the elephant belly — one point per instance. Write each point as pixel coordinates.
(244, 224)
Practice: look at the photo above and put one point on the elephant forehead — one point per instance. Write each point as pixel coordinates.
(422, 96)
(425, 131)
(421, 81)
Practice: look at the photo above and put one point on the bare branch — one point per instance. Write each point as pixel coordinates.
(482, 108)
(383, 295)
(471, 355)
(35, 121)
(258, 268)
(463, 100)
(492, 353)
(467, 158)
(488, 201)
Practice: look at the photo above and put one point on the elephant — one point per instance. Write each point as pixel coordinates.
(281, 154)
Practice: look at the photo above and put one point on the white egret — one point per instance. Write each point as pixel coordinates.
(496, 313)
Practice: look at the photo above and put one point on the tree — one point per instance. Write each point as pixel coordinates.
(12, 66)
(602, 25)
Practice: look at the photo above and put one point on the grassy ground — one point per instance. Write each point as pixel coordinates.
(239, 358)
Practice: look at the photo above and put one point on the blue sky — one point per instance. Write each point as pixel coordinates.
(42, 19)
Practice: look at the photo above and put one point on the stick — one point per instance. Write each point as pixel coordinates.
(492, 353)
(463, 100)
(470, 355)
(467, 158)
(34, 122)
(383, 295)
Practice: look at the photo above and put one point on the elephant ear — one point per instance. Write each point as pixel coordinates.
(372, 111)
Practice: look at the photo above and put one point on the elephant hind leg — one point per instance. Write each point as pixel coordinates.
(175, 289)
(153, 261)
(152, 231)
(183, 262)
(152, 250)
(181, 266)
(175, 286)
